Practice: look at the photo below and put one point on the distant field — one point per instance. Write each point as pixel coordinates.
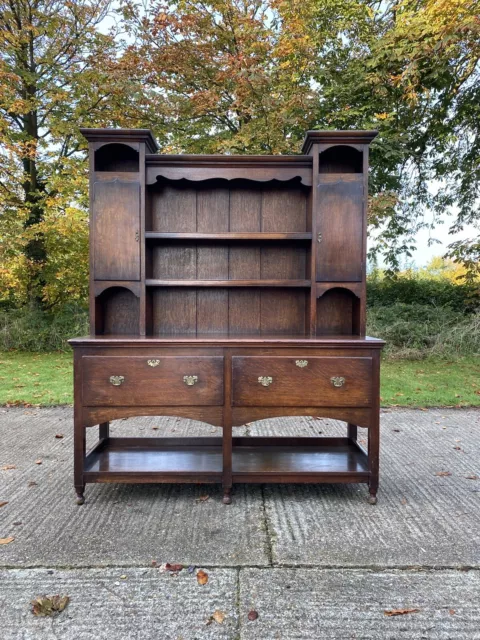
(46, 379)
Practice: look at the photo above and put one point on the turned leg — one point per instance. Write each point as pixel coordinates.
(104, 430)
(79, 450)
(374, 435)
(79, 493)
(352, 431)
(227, 495)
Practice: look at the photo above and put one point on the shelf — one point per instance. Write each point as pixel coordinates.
(153, 235)
(228, 283)
(254, 459)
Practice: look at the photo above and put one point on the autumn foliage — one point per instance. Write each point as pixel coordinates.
(231, 76)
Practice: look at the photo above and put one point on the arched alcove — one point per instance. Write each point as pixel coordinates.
(337, 312)
(341, 159)
(117, 312)
(116, 157)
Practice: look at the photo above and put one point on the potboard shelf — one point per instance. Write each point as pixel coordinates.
(255, 459)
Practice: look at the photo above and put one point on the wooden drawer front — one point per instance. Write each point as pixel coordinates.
(321, 382)
(152, 381)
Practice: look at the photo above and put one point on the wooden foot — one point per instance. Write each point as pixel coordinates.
(80, 498)
(372, 498)
(227, 496)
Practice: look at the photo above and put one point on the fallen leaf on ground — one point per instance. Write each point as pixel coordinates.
(451, 612)
(458, 448)
(154, 563)
(173, 568)
(252, 615)
(59, 436)
(38, 461)
(400, 612)
(155, 428)
(403, 501)
(202, 498)
(3, 503)
(202, 577)
(7, 540)
(32, 483)
(7, 467)
(472, 477)
(443, 474)
(217, 616)
(44, 606)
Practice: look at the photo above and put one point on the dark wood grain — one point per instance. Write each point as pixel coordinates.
(230, 269)
(340, 222)
(143, 384)
(297, 386)
(116, 229)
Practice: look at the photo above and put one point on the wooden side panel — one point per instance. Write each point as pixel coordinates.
(174, 310)
(116, 230)
(245, 209)
(212, 260)
(340, 221)
(284, 210)
(335, 311)
(283, 262)
(174, 261)
(174, 209)
(282, 311)
(120, 312)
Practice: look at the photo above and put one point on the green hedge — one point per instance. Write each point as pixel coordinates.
(464, 298)
(31, 329)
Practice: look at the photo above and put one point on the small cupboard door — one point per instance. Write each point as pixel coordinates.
(340, 223)
(116, 230)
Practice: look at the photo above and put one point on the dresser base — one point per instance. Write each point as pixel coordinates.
(227, 381)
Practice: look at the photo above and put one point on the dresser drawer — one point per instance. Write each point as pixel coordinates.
(152, 381)
(302, 381)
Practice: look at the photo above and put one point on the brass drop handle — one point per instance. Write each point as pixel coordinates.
(337, 381)
(265, 381)
(117, 380)
(153, 363)
(301, 363)
(190, 380)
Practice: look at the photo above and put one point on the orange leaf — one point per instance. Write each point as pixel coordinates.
(443, 474)
(7, 540)
(3, 503)
(202, 577)
(400, 612)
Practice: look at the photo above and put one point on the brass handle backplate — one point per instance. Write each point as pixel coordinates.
(190, 380)
(319, 238)
(153, 363)
(265, 381)
(301, 363)
(117, 380)
(337, 381)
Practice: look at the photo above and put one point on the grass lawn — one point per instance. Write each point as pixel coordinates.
(46, 379)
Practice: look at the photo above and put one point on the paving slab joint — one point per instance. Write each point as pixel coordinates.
(268, 534)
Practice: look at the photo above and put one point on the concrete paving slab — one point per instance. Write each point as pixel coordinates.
(121, 525)
(420, 519)
(351, 604)
(144, 604)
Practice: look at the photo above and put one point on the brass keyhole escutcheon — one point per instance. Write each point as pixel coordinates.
(153, 363)
(117, 380)
(190, 380)
(319, 238)
(337, 381)
(265, 381)
(301, 363)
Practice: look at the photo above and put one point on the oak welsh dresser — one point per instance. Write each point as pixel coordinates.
(227, 289)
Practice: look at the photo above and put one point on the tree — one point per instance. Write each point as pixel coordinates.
(57, 72)
(250, 76)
